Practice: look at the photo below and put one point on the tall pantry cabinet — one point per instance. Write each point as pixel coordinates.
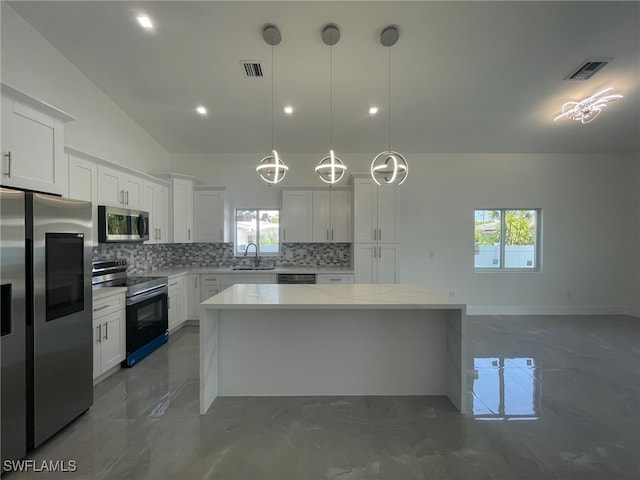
(375, 231)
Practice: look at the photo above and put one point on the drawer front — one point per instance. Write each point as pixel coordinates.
(248, 278)
(326, 278)
(175, 283)
(108, 305)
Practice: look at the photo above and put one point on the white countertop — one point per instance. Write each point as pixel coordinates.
(102, 292)
(344, 296)
(177, 271)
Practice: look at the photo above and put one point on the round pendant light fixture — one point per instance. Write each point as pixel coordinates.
(389, 167)
(272, 168)
(331, 169)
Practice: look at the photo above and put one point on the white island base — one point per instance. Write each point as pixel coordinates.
(294, 340)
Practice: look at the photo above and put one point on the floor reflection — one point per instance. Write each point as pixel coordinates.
(505, 389)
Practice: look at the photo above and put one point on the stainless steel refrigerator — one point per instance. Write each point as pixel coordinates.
(47, 356)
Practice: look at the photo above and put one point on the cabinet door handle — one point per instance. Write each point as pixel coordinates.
(379, 252)
(374, 252)
(174, 283)
(100, 333)
(159, 234)
(332, 234)
(8, 155)
(127, 193)
(327, 234)
(106, 331)
(334, 279)
(375, 234)
(189, 234)
(221, 235)
(380, 234)
(284, 234)
(102, 307)
(196, 282)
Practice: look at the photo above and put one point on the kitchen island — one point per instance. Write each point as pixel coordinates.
(266, 339)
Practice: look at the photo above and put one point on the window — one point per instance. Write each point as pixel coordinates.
(258, 226)
(507, 239)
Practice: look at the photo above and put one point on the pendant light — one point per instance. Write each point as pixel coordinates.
(389, 167)
(272, 168)
(330, 168)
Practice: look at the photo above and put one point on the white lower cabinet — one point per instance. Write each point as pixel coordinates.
(228, 280)
(210, 286)
(177, 302)
(334, 278)
(193, 296)
(376, 263)
(109, 341)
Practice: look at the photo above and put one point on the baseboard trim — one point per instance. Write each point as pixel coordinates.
(550, 310)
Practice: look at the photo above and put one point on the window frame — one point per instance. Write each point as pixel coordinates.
(257, 242)
(538, 242)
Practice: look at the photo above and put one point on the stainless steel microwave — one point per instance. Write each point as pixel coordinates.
(122, 225)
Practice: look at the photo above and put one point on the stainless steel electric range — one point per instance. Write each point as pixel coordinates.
(147, 319)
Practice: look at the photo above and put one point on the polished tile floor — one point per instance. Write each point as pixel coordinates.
(553, 398)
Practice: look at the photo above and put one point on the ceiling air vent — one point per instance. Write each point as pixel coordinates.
(588, 69)
(252, 69)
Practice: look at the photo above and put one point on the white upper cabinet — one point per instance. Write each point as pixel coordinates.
(156, 202)
(332, 216)
(182, 211)
(119, 189)
(375, 212)
(296, 216)
(33, 144)
(83, 185)
(210, 219)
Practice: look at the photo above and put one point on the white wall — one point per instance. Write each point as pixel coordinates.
(636, 311)
(590, 222)
(32, 65)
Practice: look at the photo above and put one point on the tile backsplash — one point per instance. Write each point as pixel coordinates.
(144, 258)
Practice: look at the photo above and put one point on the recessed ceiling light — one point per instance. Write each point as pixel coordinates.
(373, 110)
(288, 109)
(201, 110)
(145, 22)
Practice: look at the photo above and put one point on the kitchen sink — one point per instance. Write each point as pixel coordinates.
(253, 268)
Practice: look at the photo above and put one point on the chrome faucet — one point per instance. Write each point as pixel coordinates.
(256, 259)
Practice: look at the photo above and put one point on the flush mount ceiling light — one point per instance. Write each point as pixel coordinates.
(201, 110)
(272, 168)
(373, 110)
(389, 167)
(586, 110)
(330, 168)
(288, 109)
(145, 22)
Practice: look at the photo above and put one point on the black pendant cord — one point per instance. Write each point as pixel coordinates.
(389, 47)
(331, 97)
(272, 74)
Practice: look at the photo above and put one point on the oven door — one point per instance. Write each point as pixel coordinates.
(147, 319)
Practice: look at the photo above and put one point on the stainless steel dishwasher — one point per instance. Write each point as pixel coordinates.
(297, 278)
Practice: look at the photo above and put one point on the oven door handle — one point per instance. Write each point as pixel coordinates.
(147, 294)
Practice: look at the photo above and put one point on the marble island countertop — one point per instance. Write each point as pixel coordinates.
(345, 296)
(176, 271)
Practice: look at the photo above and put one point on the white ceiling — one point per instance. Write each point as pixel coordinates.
(484, 77)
